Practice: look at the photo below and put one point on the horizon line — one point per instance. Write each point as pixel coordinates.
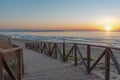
(31, 30)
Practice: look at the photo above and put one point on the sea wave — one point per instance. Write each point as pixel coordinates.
(99, 41)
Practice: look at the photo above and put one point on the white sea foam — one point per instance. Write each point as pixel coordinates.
(86, 37)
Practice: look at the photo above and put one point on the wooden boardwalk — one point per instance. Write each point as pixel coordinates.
(42, 67)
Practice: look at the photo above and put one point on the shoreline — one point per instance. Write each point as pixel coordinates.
(110, 41)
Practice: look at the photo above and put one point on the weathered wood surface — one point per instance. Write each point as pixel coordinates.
(41, 67)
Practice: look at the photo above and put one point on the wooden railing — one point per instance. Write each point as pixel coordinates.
(18, 51)
(61, 50)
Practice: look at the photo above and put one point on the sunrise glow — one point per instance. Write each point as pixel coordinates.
(108, 28)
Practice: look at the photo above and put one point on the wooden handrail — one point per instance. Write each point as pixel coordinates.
(107, 52)
(102, 46)
(4, 63)
(10, 50)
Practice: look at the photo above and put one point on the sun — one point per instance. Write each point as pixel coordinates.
(108, 28)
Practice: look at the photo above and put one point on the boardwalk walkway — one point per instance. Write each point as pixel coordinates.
(42, 67)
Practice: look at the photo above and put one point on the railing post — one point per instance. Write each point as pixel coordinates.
(44, 48)
(117, 65)
(88, 58)
(38, 47)
(34, 46)
(49, 49)
(1, 66)
(63, 50)
(41, 47)
(20, 61)
(29, 45)
(55, 50)
(75, 55)
(107, 65)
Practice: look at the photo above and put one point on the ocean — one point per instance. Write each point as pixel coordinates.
(89, 37)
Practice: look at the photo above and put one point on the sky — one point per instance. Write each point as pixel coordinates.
(60, 14)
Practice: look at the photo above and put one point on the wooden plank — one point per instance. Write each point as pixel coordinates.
(88, 57)
(22, 59)
(20, 63)
(49, 45)
(117, 65)
(69, 53)
(64, 52)
(55, 50)
(107, 66)
(37, 47)
(101, 46)
(82, 58)
(52, 50)
(41, 47)
(75, 50)
(99, 58)
(8, 70)
(10, 50)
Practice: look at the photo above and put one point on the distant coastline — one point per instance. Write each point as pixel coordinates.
(28, 30)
